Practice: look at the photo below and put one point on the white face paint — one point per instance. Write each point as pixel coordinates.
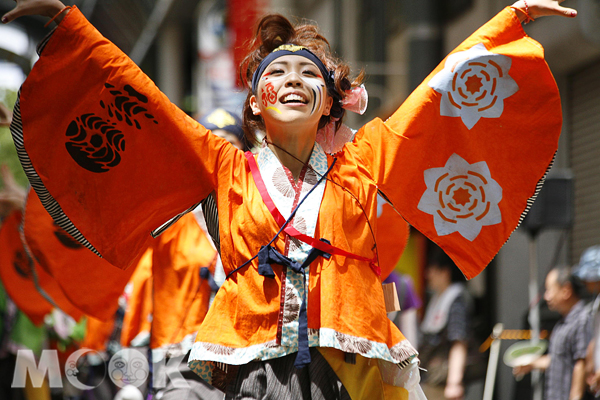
(292, 87)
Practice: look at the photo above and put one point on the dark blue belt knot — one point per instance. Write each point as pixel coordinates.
(269, 255)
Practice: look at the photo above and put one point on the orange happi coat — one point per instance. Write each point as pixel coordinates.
(166, 298)
(460, 160)
(33, 290)
(137, 301)
(345, 299)
(180, 295)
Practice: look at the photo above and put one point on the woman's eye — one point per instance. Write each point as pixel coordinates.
(276, 71)
(310, 73)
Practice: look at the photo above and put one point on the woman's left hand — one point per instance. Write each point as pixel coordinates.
(541, 8)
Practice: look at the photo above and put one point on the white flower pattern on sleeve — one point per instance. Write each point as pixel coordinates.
(474, 84)
(462, 197)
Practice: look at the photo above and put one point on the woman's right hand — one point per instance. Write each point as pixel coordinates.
(47, 8)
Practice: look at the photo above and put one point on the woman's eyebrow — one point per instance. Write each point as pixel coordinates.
(279, 62)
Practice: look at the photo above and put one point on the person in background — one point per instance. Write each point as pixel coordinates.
(588, 270)
(226, 125)
(445, 329)
(565, 362)
(406, 319)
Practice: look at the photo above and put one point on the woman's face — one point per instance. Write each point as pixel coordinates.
(291, 91)
(438, 278)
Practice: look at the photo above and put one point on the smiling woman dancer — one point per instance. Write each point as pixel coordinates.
(301, 314)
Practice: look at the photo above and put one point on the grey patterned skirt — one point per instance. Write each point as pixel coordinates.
(278, 379)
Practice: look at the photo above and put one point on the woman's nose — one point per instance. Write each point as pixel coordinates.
(293, 80)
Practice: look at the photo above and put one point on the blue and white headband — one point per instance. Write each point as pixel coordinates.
(293, 50)
(330, 138)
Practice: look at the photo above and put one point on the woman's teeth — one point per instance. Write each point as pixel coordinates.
(293, 98)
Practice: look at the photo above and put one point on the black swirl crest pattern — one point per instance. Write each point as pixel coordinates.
(22, 265)
(96, 142)
(65, 239)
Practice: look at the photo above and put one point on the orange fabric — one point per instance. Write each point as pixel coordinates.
(181, 298)
(89, 282)
(97, 334)
(246, 308)
(17, 274)
(517, 147)
(392, 237)
(173, 164)
(111, 80)
(138, 294)
(167, 285)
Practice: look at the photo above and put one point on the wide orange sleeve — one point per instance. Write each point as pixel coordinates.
(88, 281)
(464, 156)
(31, 288)
(111, 158)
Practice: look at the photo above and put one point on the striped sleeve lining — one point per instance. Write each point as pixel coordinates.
(49, 203)
(538, 187)
(211, 216)
(159, 231)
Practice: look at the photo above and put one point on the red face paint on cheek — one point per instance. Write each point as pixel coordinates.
(264, 97)
(268, 94)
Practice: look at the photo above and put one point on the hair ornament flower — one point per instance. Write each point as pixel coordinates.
(356, 100)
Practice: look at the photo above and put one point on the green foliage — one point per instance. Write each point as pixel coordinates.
(8, 153)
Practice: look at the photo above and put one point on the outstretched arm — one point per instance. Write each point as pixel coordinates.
(541, 363)
(541, 8)
(111, 156)
(46, 8)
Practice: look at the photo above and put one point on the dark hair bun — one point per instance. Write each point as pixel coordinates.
(274, 30)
